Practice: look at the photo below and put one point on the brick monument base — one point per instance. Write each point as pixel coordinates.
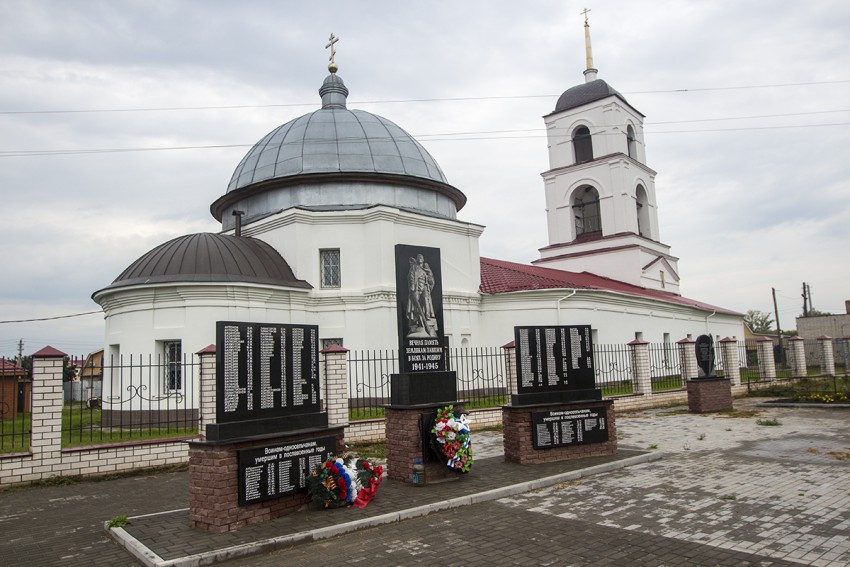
(709, 394)
(518, 441)
(214, 483)
(405, 440)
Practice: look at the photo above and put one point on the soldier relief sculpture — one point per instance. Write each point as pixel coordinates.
(421, 320)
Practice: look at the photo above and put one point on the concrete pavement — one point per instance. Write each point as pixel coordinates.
(727, 491)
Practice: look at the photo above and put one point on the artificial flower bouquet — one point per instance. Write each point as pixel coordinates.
(450, 435)
(346, 481)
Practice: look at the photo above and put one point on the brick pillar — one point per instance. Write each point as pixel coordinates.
(336, 385)
(47, 400)
(826, 355)
(510, 369)
(688, 359)
(797, 350)
(731, 360)
(207, 388)
(767, 365)
(641, 375)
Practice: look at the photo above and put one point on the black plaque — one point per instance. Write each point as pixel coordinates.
(705, 355)
(563, 428)
(554, 359)
(275, 470)
(419, 304)
(266, 370)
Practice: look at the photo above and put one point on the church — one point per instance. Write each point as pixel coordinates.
(313, 212)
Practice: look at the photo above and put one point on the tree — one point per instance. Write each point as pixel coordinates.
(815, 313)
(758, 321)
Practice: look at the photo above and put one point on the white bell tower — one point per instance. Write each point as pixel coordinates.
(600, 194)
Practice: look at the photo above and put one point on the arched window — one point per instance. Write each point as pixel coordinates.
(582, 144)
(586, 211)
(642, 204)
(630, 139)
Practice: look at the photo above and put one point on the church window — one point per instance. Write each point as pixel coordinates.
(661, 275)
(586, 211)
(582, 144)
(172, 364)
(630, 139)
(642, 211)
(330, 268)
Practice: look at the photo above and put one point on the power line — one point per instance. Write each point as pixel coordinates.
(51, 318)
(403, 101)
(469, 136)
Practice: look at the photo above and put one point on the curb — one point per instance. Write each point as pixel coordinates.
(150, 559)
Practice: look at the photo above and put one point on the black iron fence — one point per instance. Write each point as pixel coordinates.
(612, 366)
(664, 367)
(15, 404)
(130, 399)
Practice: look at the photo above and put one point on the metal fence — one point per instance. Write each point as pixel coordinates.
(130, 399)
(664, 367)
(15, 404)
(612, 365)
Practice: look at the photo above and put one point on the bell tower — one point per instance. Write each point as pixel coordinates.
(600, 194)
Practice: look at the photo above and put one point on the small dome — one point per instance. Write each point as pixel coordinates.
(585, 93)
(207, 257)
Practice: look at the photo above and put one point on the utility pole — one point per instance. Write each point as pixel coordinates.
(20, 352)
(805, 300)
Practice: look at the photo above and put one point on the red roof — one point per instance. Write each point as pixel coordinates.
(499, 276)
(9, 368)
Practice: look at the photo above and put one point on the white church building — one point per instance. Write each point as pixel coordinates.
(312, 214)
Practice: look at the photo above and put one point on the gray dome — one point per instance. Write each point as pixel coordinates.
(336, 157)
(333, 140)
(207, 257)
(585, 93)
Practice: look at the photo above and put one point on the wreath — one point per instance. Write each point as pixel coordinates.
(347, 481)
(450, 439)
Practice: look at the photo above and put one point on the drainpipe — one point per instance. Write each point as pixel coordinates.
(558, 304)
(707, 332)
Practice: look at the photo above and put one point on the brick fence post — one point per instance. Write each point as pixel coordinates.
(731, 360)
(688, 359)
(826, 355)
(336, 385)
(767, 364)
(207, 410)
(641, 374)
(48, 367)
(797, 350)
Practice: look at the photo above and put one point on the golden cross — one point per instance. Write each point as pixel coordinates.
(584, 13)
(331, 42)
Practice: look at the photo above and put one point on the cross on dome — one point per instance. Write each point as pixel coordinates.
(332, 66)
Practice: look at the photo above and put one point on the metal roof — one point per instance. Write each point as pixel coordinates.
(207, 257)
(586, 93)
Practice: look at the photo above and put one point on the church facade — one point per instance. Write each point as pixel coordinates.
(313, 212)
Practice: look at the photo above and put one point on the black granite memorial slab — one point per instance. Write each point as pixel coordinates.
(271, 471)
(705, 355)
(565, 427)
(418, 388)
(419, 305)
(554, 364)
(266, 370)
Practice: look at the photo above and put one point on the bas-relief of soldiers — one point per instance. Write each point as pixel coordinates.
(421, 321)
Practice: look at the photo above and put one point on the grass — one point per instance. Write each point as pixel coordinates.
(811, 390)
(369, 449)
(773, 422)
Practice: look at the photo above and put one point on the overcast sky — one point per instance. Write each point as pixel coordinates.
(747, 108)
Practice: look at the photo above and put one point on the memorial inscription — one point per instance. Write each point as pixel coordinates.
(266, 370)
(554, 358)
(569, 427)
(275, 470)
(419, 303)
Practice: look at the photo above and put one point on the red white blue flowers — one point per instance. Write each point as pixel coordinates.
(451, 432)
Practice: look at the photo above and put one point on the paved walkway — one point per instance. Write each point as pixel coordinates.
(727, 491)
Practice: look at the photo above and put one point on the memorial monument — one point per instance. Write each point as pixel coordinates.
(707, 392)
(270, 431)
(556, 412)
(423, 383)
